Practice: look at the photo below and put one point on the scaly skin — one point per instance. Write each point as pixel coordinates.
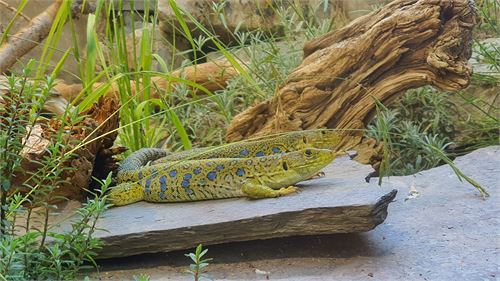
(264, 146)
(192, 180)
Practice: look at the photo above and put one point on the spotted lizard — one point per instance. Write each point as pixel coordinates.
(263, 146)
(202, 179)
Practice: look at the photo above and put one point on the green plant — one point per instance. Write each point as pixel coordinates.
(199, 264)
(417, 131)
(30, 246)
(489, 12)
(488, 54)
(141, 277)
(420, 117)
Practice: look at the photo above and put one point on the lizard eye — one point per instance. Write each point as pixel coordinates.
(308, 152)
(285, 166)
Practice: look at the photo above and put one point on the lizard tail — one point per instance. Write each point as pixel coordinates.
(140, 158)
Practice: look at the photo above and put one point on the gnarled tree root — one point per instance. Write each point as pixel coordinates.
(344, 73)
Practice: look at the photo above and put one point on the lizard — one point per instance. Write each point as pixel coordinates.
(259, 147)
(202, 179)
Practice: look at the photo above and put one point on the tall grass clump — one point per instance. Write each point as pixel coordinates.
(262, 59)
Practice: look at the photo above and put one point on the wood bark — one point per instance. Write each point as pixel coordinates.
(100, 124)
(406, 44)
(31, 36)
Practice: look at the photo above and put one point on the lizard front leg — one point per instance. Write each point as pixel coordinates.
(257, 191)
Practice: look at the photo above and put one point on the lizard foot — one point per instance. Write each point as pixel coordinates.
(287, 190)
(262, 191)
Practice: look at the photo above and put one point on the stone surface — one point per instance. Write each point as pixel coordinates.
(447, 232)
(478, 61)
(340, 202)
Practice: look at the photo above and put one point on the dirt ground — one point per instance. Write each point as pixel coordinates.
(446, 232)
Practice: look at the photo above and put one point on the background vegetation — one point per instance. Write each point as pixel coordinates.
(419, 130)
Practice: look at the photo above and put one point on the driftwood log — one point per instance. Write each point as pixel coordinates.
(406, 44)
(35, 32)
(98, 122)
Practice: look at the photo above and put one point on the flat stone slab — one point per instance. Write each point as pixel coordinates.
(447, 232)
(340, 202)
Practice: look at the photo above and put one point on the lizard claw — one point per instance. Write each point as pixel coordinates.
(319, 175)
(288, 190)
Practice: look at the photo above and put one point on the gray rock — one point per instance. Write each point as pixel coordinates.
(477, 60)
(447, 232)
(340, 202)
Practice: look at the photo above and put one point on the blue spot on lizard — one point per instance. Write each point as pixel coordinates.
(147, 185)
(172, 173)
(240, 172)
(212, 175)
(163, 183)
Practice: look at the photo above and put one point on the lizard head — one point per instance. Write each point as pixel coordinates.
(126, 193)
(307, 162)
(325, 139)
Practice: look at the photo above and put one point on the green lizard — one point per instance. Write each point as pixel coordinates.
(191, 180)
(263, 146)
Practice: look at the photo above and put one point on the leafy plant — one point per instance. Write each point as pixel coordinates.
(199, 264)
(31, 247)
(141, 277)
(417, 132)
(421, 117)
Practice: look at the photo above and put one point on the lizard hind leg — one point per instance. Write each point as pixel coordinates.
(126, 193)
(256, 191)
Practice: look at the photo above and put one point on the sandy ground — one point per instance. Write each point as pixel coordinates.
(447, 232)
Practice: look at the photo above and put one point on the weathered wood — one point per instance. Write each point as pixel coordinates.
(99, 121)
(27, 38)
(341, 202)
(32, 35)
(406, 44)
